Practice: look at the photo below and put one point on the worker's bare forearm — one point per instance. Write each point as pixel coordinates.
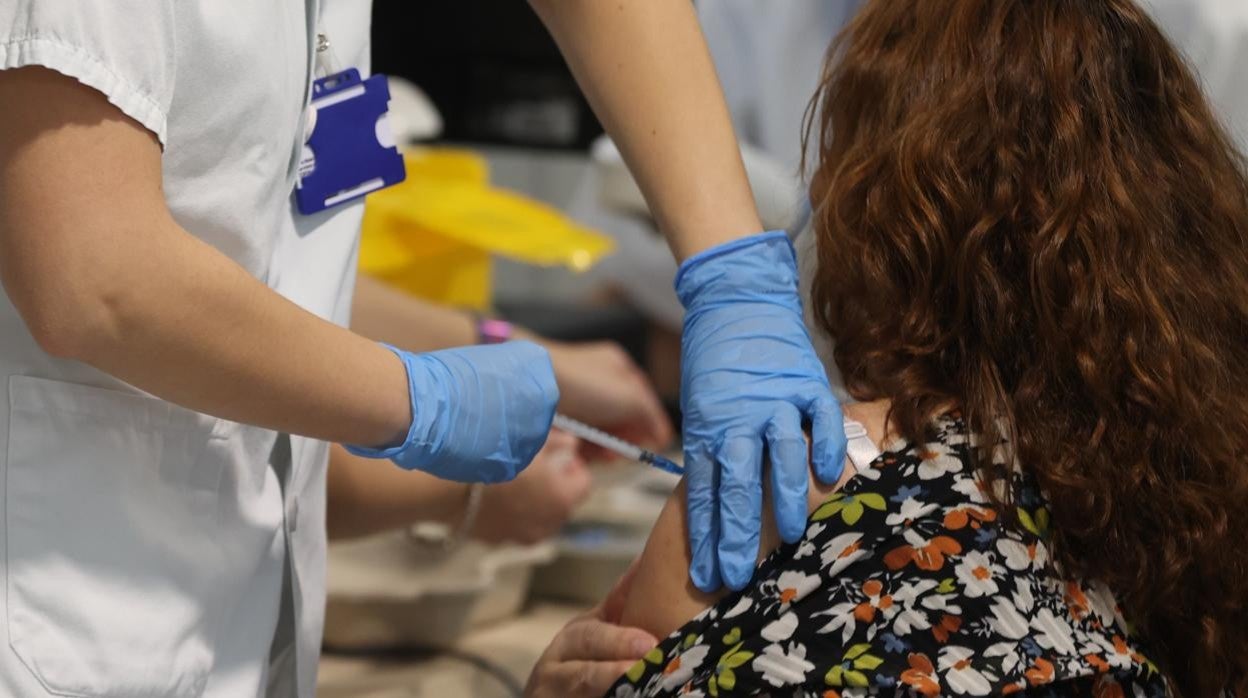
(298, 372)
(646, 70)
(100, 272)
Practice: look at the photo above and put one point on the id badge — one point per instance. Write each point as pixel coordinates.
(351, 151)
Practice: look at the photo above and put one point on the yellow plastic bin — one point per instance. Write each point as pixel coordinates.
(435, 234)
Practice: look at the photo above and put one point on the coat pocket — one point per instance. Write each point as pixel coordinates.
(111, 560)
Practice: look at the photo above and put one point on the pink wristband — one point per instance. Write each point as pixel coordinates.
(492, 331)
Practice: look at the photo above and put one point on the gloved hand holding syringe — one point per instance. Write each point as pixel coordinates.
(616, 445)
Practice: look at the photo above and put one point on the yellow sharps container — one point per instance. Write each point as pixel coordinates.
(434, 235)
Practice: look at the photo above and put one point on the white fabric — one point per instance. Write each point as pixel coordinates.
(859, 447)
(144, 544)
(769, 56)
(93, 47)
(315, 266)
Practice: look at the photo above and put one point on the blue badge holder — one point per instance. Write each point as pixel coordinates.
(351, 151)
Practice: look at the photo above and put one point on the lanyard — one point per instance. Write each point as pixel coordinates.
(348, 148)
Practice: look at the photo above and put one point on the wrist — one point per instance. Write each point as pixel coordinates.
(691, 245)
(751, 268)
(490, 330)
(401, 427)
(494, 331)
(518, 332)
(563, 361)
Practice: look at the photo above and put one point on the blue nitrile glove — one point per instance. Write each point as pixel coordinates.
(479, 413)
(749, 374)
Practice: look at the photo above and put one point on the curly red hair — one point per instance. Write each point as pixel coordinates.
(1026, 208)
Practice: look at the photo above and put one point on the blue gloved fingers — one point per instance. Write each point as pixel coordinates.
(827, 439)
(702, 506)
(745, 352)
(740, 507)
(789, 467)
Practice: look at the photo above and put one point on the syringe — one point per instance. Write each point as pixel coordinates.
(616, 445)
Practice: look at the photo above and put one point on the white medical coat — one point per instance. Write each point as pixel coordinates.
(149, 550)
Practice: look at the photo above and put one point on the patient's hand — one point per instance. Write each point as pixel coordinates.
(662, 597)
(590, 652)
(535, 505)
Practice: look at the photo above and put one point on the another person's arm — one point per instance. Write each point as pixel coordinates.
(365, 499)
(598, 382)
(653, 598)
(591, 651)
(388, 315)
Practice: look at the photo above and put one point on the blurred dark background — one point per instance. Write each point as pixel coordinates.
(490, 67)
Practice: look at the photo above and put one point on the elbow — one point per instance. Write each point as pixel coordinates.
(72, 298)
(54, 341)
(74, 322)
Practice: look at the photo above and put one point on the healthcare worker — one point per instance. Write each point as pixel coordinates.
(162, 534)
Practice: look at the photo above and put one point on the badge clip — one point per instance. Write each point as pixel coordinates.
(351, 150)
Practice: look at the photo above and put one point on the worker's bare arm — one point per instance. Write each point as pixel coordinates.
(646, 70)
(101, 272)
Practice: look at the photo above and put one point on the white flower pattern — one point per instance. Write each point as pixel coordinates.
(783, 667)
(978, 574)
(933, 595)
(961, 676)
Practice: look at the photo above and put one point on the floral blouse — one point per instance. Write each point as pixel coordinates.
(906, 583)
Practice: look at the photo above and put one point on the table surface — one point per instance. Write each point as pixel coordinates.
(513, 644)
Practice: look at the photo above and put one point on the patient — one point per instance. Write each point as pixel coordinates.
(1033, 255)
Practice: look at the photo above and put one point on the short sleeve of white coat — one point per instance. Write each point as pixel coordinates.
(122, 48)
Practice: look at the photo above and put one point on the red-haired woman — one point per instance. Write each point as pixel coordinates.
(1033, 256)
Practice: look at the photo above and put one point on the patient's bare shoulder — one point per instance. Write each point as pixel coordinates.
(662, 597)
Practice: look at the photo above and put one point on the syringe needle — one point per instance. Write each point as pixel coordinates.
(616, 445)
